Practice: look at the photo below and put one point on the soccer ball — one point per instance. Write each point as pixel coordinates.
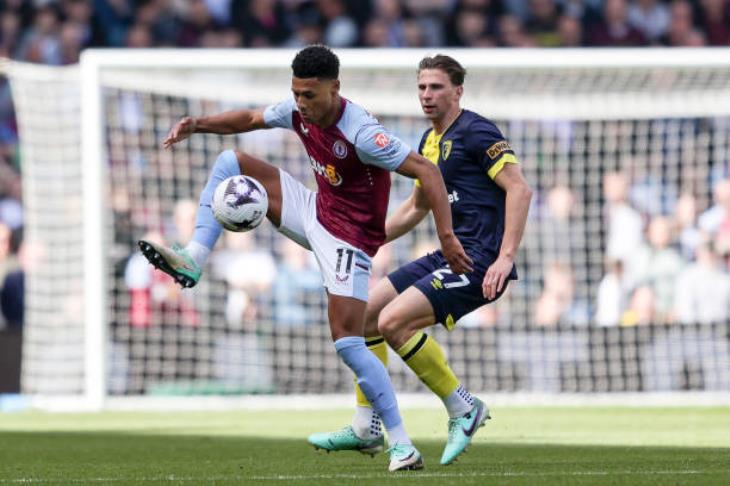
(240, 203)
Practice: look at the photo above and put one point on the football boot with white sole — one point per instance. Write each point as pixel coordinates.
(462, 429)
(404, 458)
(175, 261)
(346, 440)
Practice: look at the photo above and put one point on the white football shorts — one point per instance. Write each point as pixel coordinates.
(345, 269)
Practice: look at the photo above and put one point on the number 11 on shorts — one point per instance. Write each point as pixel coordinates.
(344, 252)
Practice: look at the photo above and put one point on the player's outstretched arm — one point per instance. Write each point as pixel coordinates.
(407, 215)
(226, 123)
(434, 190)
(517, 203)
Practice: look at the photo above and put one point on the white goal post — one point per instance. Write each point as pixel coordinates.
(98, 327)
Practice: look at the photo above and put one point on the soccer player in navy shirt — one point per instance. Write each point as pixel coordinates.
(343, 223)
(489, 200)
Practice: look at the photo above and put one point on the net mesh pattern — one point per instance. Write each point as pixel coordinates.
(600, 305)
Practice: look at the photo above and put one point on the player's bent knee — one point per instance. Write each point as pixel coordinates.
(227, 164)
(257, 168)
(389, 322)
(269, 177)
(380, 296)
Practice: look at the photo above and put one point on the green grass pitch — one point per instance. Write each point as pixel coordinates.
(521, 445)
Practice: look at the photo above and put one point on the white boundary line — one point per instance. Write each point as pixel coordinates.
(346, 401)
(408, 475)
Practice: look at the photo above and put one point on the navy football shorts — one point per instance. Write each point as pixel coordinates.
(451, 296)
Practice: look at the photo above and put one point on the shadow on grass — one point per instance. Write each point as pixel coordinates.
(120, 458)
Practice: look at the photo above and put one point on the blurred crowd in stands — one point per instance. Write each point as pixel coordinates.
(666, 259)
(54, 32)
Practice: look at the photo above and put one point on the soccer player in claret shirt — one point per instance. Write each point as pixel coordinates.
(489, 202)
(343, 223)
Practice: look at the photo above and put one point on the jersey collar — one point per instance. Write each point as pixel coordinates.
(461, 112)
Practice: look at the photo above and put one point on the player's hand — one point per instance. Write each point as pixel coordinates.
(182, 130)
(496, 276)
(459, 261)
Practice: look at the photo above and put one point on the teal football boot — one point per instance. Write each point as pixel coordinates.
(175, 261)
(462, 429)
(346, 440)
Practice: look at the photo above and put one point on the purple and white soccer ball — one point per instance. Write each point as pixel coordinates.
(240, 203)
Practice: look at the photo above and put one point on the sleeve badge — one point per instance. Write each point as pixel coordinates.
(497, 149)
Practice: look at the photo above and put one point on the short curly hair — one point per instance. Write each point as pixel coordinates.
(316, 61)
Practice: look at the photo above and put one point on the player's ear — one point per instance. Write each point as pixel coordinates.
(459, 91)
(336, 86)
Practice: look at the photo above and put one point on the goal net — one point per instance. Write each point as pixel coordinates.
(623, 268)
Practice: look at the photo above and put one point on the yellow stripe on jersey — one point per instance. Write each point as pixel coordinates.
(431, 149)
(499, 165)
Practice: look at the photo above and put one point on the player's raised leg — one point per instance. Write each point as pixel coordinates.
(365, 434)
(346, 324)
(402, 322)
(185, 264)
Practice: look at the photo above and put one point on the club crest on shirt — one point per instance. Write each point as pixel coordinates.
(446, 149)
(381, 140)
(339, 149)
(495, 150)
